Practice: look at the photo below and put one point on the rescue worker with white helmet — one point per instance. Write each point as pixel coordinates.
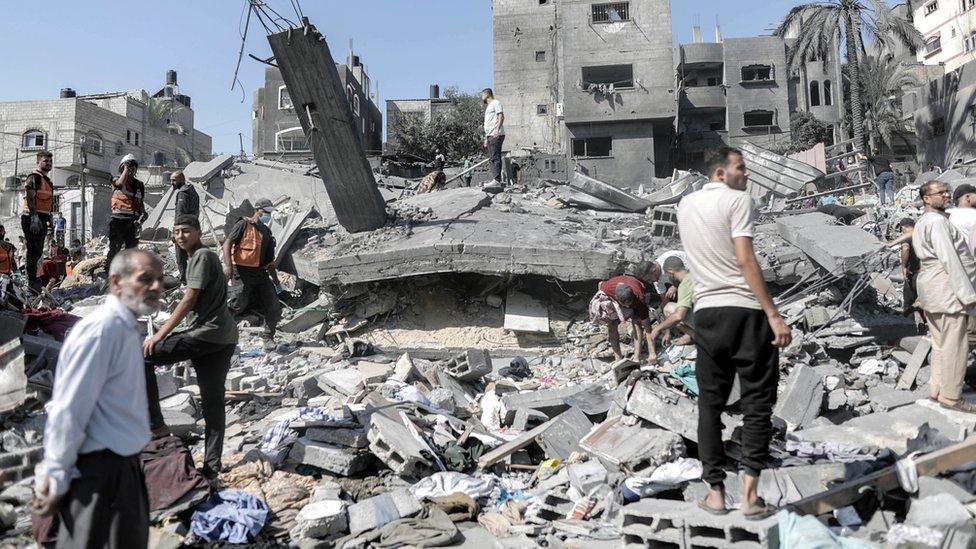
(128, 208)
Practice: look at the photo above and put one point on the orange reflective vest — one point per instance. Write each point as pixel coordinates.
(43, 195)
(6, 258)
(247, 252)
(124, 201)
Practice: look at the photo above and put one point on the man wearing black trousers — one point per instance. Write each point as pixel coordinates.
(494, 132)
(208, 341)
(187, 203)
(738, 328)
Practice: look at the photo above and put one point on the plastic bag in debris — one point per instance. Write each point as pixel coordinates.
(491, 408)
(409, 393)
(518, 369)
(871, 367)
(447, 483)
(663, 478)
(900, 534)
(807, 532)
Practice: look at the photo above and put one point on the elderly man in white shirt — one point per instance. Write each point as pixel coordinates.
(98, 418)
(947, 293)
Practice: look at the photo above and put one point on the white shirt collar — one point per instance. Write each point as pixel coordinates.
(121, 311)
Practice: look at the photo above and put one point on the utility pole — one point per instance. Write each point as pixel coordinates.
(240, 138)
(84, 170)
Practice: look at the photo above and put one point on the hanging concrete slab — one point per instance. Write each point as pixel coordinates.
(776, 173)
(607, 192)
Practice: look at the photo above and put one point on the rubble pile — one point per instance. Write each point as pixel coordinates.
(436, 382)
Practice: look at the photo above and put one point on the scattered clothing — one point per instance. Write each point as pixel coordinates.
(807, 532)
(685, 373)
(229, 516)
(55, 323)
(169, 473)
(284, 493)
(446, 483)
(272, 443)
(429, 528)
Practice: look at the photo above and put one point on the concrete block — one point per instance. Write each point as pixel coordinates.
(800, 402)
(885, 398)
(671, 410)
(306, 386)
(382, 509)
(654, 522)
(787, 485)
(562, 438)
(470, 365)
(180, 402)
(527, 418)
(320, 520)
(373, 372)
(632, 446)
(328, 457)
(345, 382)
(404, 370)
(352, 438)
(551, 402)
(442, 398)
(233, 381)
(393, 443)
(254, 383)
(838, 248)
(931, 486)
(941, 512)
(166, 383)
(180, 424)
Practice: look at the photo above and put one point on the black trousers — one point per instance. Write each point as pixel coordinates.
(107, 506)
(730, 341)
(495, 156)
(253, 290)
(211, 361)
(181, 261)
(35, 243)
(121, 234)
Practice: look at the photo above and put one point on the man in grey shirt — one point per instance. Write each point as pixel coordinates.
(737, 327)
(98, 421)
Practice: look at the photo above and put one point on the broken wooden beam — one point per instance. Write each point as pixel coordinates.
(930, 464)
(320, 102)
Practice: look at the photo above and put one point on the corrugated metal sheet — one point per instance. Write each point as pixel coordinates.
(775, 173)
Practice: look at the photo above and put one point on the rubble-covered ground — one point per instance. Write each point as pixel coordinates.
(401, 411)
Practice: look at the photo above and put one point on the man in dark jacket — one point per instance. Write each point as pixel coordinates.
(187, 203)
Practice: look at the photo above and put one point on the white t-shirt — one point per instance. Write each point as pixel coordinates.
(492, 111)
(661, 284)
(708, 220)
(964, 219)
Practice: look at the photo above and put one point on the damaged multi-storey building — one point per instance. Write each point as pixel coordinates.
(88, 134)
(602, 84)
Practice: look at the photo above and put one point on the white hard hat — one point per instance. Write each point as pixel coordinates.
(128, 158)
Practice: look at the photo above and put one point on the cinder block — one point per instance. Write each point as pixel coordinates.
(328, 457)
(320, 520)
(352, 438)
(471, 365)
(382, 509)
(393, 444)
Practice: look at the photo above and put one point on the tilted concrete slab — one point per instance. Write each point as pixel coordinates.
(201, 172)
(839, 249)
(464, 232)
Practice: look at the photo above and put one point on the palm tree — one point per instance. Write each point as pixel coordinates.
(884, 80)
(820, 25)
(160, 111)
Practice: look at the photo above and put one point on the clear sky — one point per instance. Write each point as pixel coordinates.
(102, 45)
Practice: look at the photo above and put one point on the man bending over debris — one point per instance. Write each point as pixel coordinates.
(208, 342)
(8, 254)
(665, 284)
(946, 293)
(679, 312)
(98, 423)
(249, 248)
(617, 300)
(737, 327)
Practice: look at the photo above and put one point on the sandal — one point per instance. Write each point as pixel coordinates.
(960, 406)
(765, 512)
(711, 510)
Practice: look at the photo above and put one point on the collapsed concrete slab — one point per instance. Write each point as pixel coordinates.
(632, 447)
(327, 457)
(670, 409)
(463, 232)
(326, 116)
(800, 402)
(382, 509)
(839, 249)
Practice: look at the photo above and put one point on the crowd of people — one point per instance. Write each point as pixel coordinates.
(105, 404)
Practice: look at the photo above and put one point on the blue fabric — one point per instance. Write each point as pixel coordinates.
(230, 516)
(685, 373)
(806, 532)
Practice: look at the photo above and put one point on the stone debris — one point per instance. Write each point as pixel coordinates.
(443, 367)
